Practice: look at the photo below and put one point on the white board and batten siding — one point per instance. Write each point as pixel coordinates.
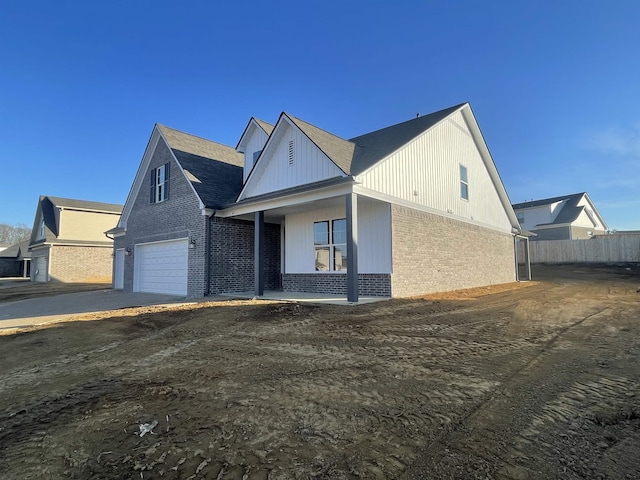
(374, 237)
(255, 143)
(161, 267)
(307, 164)
(539, 215)
(427, 172)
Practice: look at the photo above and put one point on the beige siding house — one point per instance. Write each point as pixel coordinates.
(68, 243)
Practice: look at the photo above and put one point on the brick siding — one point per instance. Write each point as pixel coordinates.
(80, 263)
(369, 284)
(177, 217)
(433, 254)
(232, 256)
(10, 267)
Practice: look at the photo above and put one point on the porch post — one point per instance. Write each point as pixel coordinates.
(258, 255)
(352, 247)
(528, 258)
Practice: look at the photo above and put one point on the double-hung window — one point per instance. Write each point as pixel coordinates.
(159, 184)
(464, 183)
(330, 242)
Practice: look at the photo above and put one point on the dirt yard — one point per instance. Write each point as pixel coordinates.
(531, 381)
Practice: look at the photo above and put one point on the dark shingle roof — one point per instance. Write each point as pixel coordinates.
(570, 210)
(84, 204)
(17, 250)
(356, 155)
(340, 151)
(214, 170)
(373, 147)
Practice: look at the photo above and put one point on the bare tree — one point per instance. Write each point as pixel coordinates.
(14, 233)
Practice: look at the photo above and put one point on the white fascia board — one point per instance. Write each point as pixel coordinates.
(140, 175)
(553, 225)
(490, 165)
(365, 192)
(248, 131)
(287, 200)
(595, 210)
(258, 166)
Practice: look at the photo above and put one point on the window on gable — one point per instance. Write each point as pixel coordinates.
(464, 183)
(256, 155)
(159, 184)
(291, 156)
(330, 243)
(41, 233)
(520, 216)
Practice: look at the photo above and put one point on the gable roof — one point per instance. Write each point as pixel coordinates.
(253, 121)
(71, 204)
(267, 127)
(48, 206)
(358, 154)
(338, 150)
(375, 146)
(17, 250)
(213, 169)
(569, 212)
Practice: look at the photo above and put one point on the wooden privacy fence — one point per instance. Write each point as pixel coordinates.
(601, 248)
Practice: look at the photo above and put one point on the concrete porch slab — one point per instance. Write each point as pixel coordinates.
(304, 297)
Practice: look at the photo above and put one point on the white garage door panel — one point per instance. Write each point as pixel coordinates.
(162, 267)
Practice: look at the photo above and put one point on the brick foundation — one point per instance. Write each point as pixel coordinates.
(370, 284)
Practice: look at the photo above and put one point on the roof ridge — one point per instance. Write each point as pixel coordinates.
(293, 117)
(182, 132)
(438, 112)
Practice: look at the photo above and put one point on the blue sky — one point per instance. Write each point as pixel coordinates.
(554, 85)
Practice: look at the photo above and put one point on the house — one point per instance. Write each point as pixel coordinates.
(413, 208)
(169, 238)
(68, 243)
(15, 260)
(568, 217)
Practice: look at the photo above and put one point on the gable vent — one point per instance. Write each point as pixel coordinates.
(291, 158)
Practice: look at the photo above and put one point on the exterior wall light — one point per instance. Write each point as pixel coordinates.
(192, 243)
(127, 251)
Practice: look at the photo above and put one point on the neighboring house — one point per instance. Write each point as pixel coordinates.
(569, 217)
(15, 261)
(68, 243)
(414, 208)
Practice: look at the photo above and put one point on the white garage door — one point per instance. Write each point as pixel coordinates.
(161, 267)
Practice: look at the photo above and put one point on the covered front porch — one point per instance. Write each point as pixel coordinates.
(335, 243)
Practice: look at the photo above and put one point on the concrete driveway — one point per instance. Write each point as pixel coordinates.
(39, 311)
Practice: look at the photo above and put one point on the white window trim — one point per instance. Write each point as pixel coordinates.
(464, 182)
